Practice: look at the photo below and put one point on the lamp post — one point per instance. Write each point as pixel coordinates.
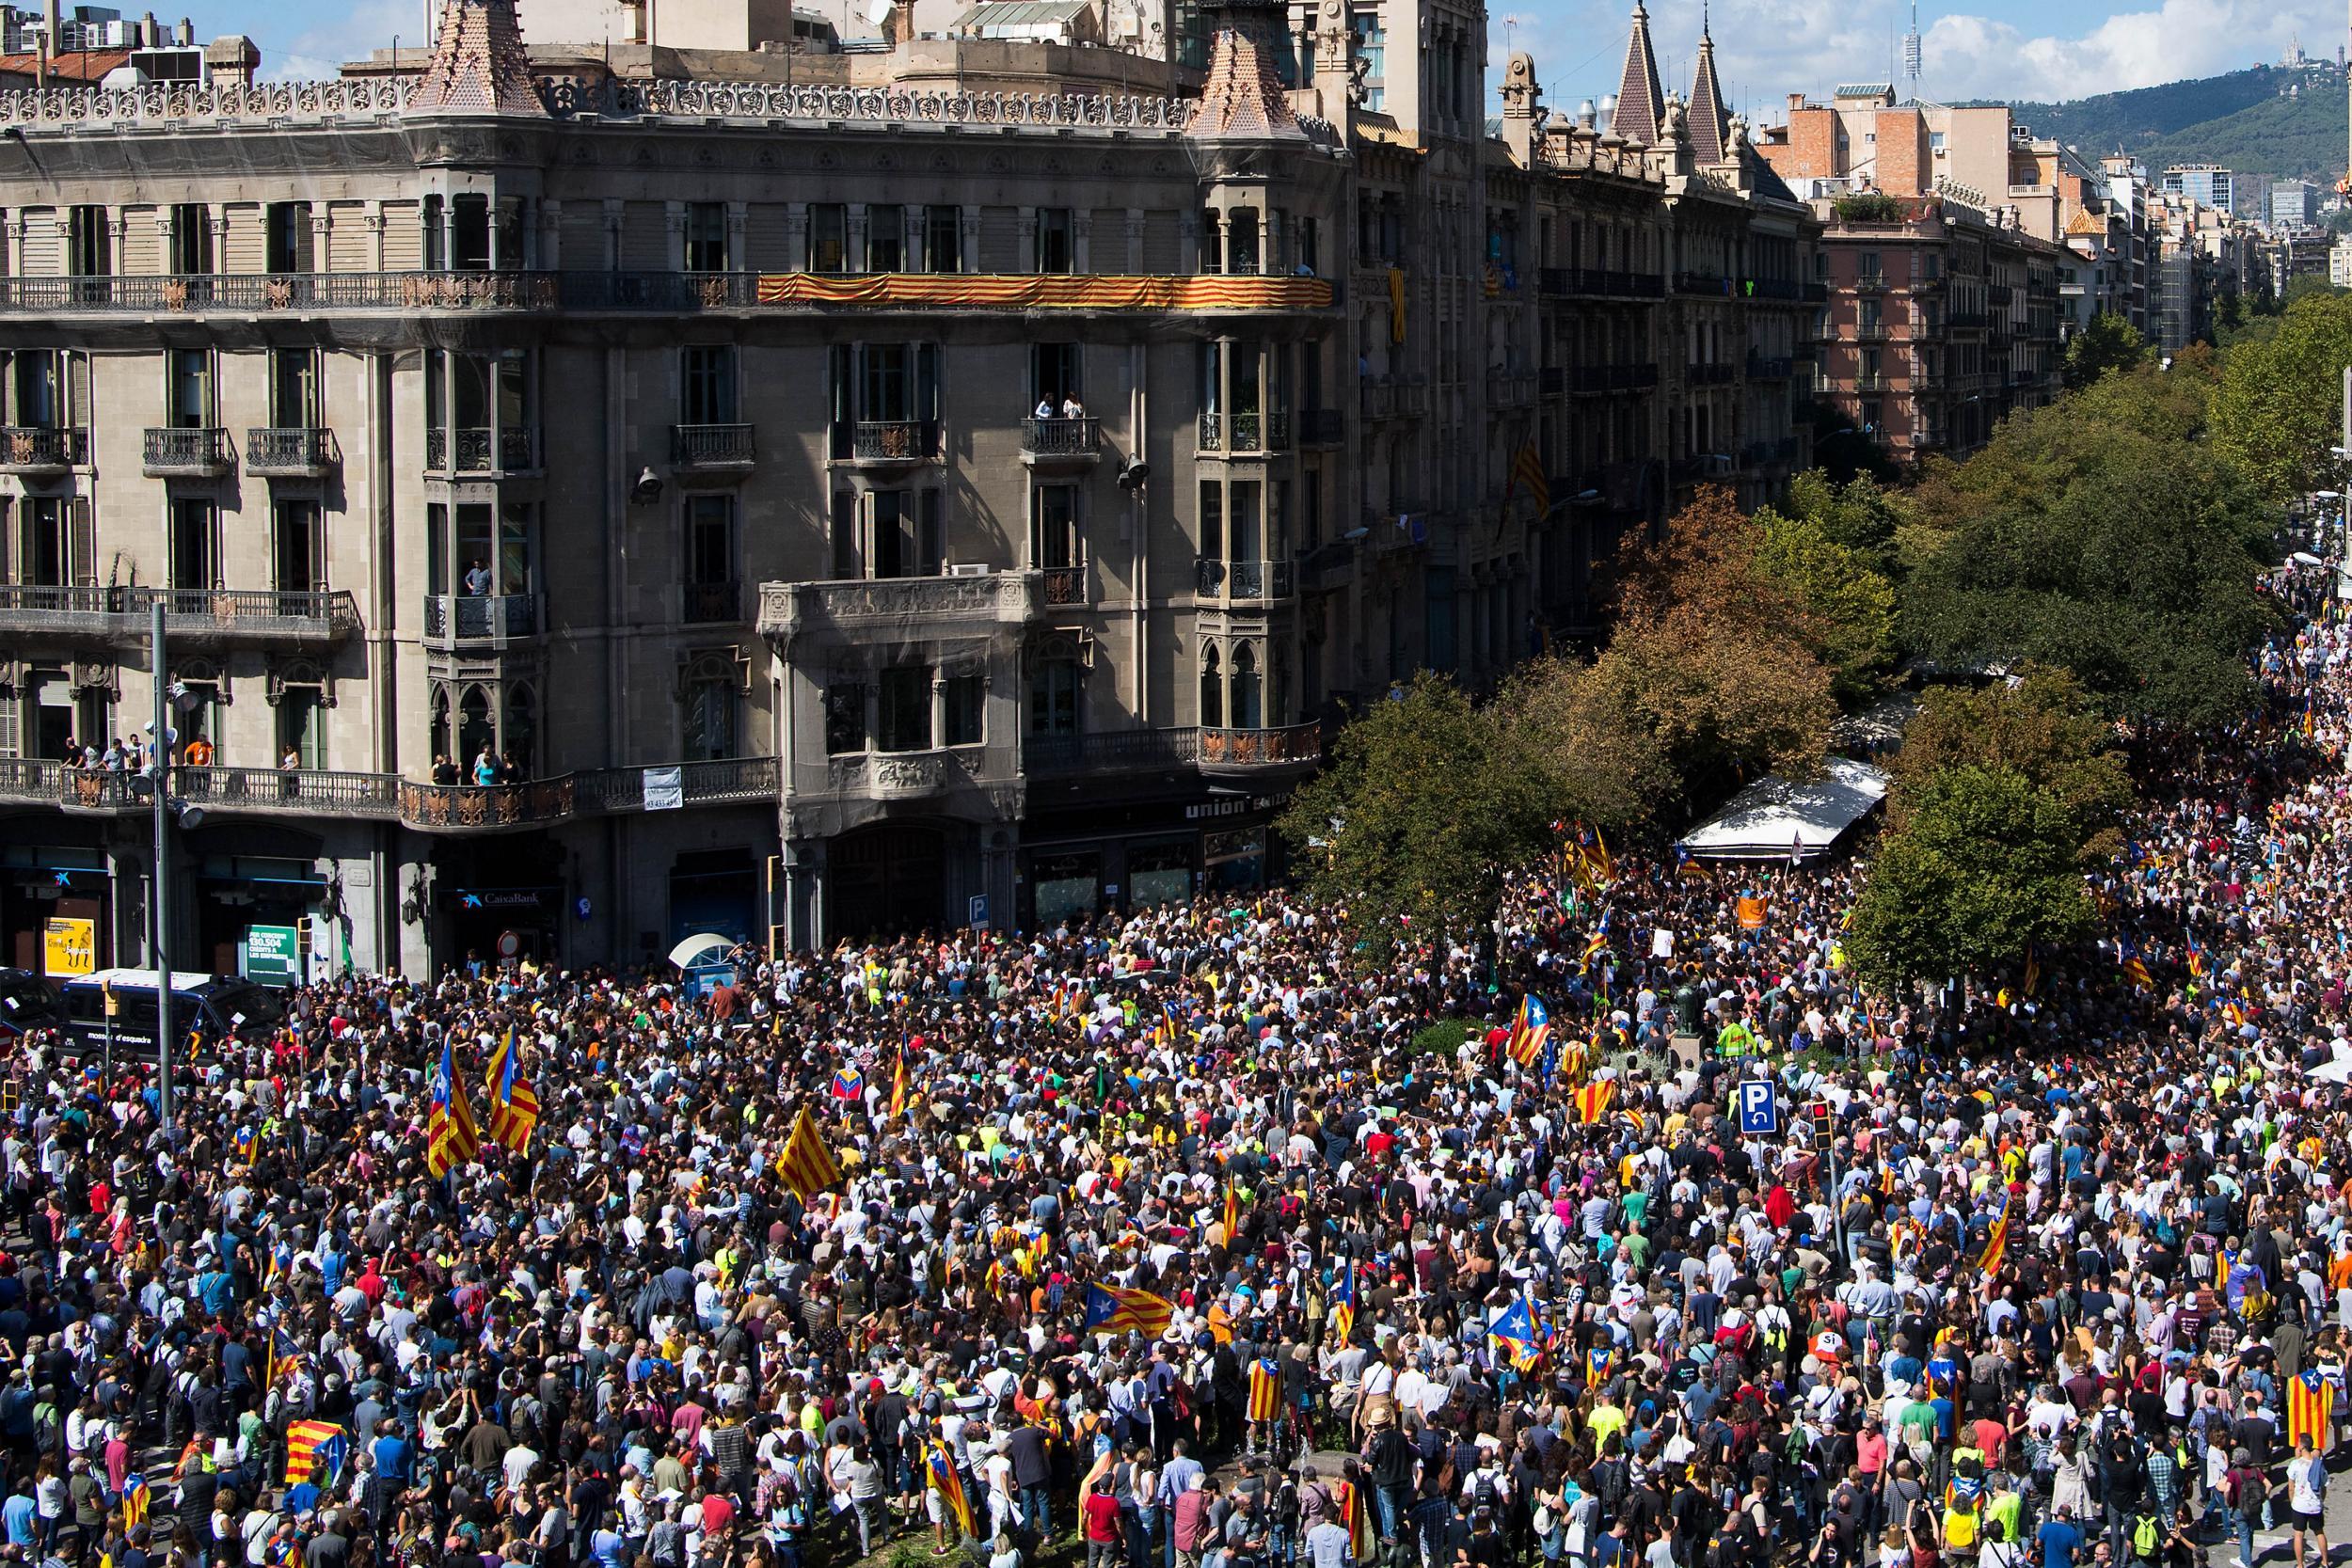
(159, 765)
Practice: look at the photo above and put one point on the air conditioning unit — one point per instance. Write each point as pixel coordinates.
(967, 569)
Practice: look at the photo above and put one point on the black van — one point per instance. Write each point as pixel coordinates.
(27, 1002)
(212, 1008)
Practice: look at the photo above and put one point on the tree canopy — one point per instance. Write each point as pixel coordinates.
(2042, 729)
(2108, 342)
(2279, 408)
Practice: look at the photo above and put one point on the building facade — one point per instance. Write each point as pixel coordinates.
(602, 495)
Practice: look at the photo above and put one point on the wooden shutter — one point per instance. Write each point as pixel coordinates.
(80, 544)
(7, 539)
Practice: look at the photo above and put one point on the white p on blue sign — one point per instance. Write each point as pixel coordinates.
(1759, 1109)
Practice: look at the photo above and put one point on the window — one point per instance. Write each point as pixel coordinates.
(1931, 266)
(713, 708)
(302, 726)
(844, 718)
(710, 559)
(1053, 242)
(297, 547)
(1871, 267)
(886, 239)
(1248, 712)
(902, 717)
(45, 380)
(191, 239)
(294, 389)
(1053, 372)
(286, 242)
(706, 236)
(1212, 691)
(943, 239)
(1054, 682)
(194, 560)
(962, 702)
(906, 540)
(707, 384)
(1057, 527)
(1212, 520)
(827, 237)
(1241, 240)
(191, 390)
(845, 541)
(44, 552)
(88, 243)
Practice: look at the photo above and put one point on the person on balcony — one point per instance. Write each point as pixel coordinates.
(199, 752)
(478, 580)
(444, 770)
(1071, 408)
(1044, 409)
(485, 768)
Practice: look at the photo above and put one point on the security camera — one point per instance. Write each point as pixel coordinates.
(647, 489)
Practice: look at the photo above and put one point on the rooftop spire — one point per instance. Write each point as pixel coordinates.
(1640, 100)
(1242, 95)
(1711, 124)
(479, 64)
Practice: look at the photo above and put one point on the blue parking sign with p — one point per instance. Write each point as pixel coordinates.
(1759, 1111)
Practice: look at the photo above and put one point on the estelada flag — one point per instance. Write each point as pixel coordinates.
(806, 1165)
(2311, 1400)
(1265, 1388)
(1995, 1240)
(944, 1475)
(303, 1441)
(1111, 1309)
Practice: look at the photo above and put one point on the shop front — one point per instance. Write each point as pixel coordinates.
(56, 898)
(497, 899)
(1134, 857)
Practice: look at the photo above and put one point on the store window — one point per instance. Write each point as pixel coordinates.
(1066, 887)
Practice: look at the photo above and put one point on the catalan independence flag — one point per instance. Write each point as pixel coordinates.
(940, 1466)
(513, 1105)
(1343, 1301)
(451, 1137)
(1995, 1240)
(1518, 1333)
(1530, 1030)
(2311, 1402)
(304, 1442)
(135, 1501)
(1527, 473)
(2135, 967)
(806, 1165)
(1265, 1388)
(1111, 1309)
(1363, 1539)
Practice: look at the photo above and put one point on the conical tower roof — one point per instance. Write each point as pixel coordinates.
(1242, 97)
(479, 64)
(1641, 101)
(1710, 123)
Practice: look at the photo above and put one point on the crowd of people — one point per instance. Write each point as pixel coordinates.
(1197, 1239)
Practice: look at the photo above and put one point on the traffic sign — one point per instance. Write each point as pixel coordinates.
(1759, 1107)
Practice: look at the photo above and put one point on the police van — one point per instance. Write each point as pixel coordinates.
(208, 1008)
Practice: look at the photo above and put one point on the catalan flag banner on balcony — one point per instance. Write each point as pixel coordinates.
(1527, 473)
(1049, 291)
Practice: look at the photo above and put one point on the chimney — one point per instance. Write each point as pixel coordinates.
(1520, 93)
(187, 32)
(56, 31)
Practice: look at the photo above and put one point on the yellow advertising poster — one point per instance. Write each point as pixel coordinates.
(70, 947)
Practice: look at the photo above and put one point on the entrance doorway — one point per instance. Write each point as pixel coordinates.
(885, 879)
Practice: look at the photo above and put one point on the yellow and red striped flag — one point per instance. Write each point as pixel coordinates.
(806, 1165)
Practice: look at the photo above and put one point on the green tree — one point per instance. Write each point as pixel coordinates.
(1849, 605)
(2280, 406)
(1861, 514)
(2099, 537)
(2110, 342)
(1417, 817)
(1983, 866)
(2043, 729)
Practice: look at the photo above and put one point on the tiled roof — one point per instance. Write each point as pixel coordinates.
(479, 64)
(1641, 102)
(1242, 97)
(1711, 124)
(87, 67)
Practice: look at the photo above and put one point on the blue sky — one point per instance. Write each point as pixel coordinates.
(1765, 49)
(2037, 50)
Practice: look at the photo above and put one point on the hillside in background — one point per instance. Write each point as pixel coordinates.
(2242, 120)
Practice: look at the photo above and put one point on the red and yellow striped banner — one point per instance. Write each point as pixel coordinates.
(1048, 292)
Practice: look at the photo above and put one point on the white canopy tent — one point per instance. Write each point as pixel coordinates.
(1775, 819)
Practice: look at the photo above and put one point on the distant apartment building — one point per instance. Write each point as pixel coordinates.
(1940, 320)
(2288, 255)
(80, 29)
(2294, 204)
(2208, 184)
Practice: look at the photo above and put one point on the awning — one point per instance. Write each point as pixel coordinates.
(695, 949)
(1774, 818)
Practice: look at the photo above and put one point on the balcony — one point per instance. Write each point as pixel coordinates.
(124, 614)
(1871, 283)
(2000, 293)
(1815, 294)
(387, 797)
(1514, 388)
(473, 449)
(1321, 427)
(480, 617)
(1253, 750)
(1393, 398)
(1242, 582)
(1598, 283)
(889, 443)
(291, 452)
(1869, 381)
(1551, 381)
(1244, 432)
(711, 447)
(1064, 585)
(194, 453)
(1968, 321)
(1050, 442)
(1779, 289)
(253, 294)
(1869, 332)
(43, 448)
(710, 603)
(1703, 283)
(1112, 752)
(1761, 368)
(855, 610)
(1715, 375)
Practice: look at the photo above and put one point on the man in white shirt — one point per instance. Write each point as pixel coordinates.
(2307, 1499)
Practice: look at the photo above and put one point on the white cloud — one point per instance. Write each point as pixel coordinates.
(1767, 49)
(330, 36)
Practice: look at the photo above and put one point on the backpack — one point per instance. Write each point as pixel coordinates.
(2144, 1536)
(1482, 1491)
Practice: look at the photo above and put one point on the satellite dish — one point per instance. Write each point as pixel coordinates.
(878, 11)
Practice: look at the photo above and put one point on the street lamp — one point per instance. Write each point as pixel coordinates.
(156, 785)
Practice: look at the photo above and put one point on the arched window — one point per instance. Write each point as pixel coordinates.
(477, 732)
(444, 743)
(522, 729)
(1249, 711)
(1212, 691)
(1279, 692)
